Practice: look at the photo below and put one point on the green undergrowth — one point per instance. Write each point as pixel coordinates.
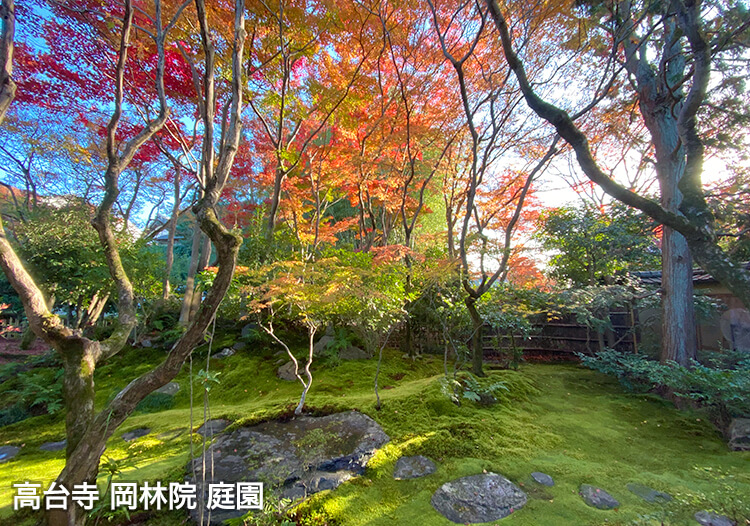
(577, 425)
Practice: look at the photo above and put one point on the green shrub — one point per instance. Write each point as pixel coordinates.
(722, 387)
(11, 415)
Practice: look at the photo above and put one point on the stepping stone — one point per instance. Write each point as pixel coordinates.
(413, 467)
(709, 518)
(597, 497)
(213, 427)
(8, 452)
(135, 433)
(648, 494)
(172, 388)
(542, 478)
(54, 446)
(478, 498)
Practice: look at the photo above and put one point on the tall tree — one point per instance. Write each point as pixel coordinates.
(488, 106)
(690, 216)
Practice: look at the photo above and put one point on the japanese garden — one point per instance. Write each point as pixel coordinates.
(374, 262)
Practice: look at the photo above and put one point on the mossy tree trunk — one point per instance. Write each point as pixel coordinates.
(477, 345)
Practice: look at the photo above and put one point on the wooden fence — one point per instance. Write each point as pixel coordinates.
(561, 338)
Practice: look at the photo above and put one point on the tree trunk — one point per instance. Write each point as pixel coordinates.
(202, 264)
(477, 346)
(187, 300)
(679, 334)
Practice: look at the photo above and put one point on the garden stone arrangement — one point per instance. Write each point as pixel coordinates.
(294, 459)
(478, 498)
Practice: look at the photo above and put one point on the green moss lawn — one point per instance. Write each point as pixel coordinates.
(574, 424)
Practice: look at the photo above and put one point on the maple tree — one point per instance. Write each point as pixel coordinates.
(488, 104)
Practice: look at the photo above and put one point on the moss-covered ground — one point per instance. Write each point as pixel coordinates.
(574, 424)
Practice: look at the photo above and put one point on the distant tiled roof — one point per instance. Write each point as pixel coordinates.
(653, 277)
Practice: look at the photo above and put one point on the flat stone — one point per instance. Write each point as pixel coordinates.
(54, 446)
(135, 433)
(353, 353)
(286, 372)
(542, 478)
(648, 494)
(413, 467)
(478, 498)
(172, 388)
(8, 452)
(739, 434)
(709, 518)
(597, 497)
(224, 353)
(294, 459)
(213, 427)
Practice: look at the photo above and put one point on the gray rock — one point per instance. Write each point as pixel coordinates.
(413, 467)
(239, 346)
(146, 343)
(478, 498)
(294, 459)
(648, 494)
(353, 353)
(224, 353)
(171, 389)
(323, 343)
(54, 446)
(8, 452)
(135, 433)
(286, 372)
(708, 518)
(249, 330)
(213, 427)
(542, 478)
(739, 434)
(597, 497)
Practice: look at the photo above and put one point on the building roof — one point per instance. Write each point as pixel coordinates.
(700, 276)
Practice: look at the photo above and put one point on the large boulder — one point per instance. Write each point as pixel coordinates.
(294, 459)
(739, 434)
(478, 498)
